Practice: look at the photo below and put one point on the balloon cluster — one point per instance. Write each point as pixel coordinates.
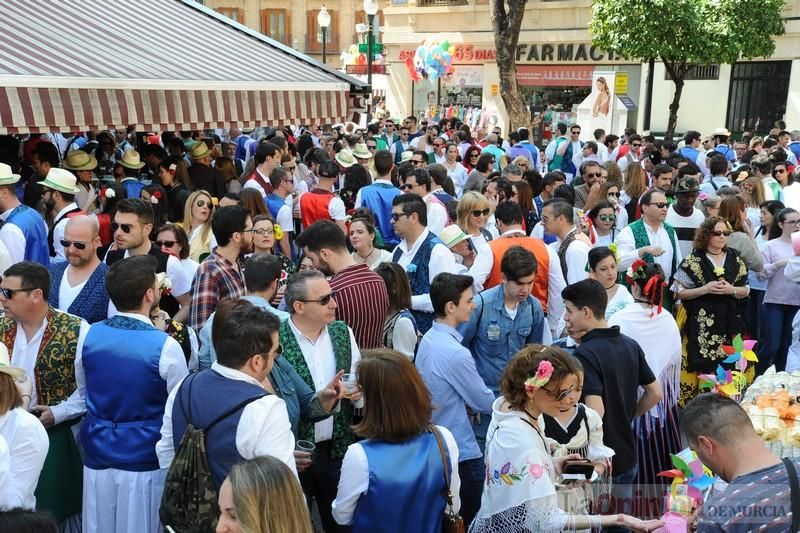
(431, 60)
(352, 56)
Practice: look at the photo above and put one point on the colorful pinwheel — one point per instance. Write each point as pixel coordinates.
(689, 471)
(740, 353)
(725, 382)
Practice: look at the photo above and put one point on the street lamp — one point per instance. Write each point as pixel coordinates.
(370, 8)
(324, 20)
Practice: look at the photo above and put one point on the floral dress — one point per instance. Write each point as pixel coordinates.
(709, 321)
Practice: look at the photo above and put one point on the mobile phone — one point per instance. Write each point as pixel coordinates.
(584, 468)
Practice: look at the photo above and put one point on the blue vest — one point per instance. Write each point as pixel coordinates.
(566, 164)
(378, 197)
(794, 146)
(30, 222)
(241, 147)
(133, 187)
(418, 277)
(91, 304)
(406, 487)
(398, 151)
(443, 197)
(689, 153)
(274, 204)
(125, 395)
(213, 395)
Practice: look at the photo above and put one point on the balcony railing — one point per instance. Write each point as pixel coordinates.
(441, 3)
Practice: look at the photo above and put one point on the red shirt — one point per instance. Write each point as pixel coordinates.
(362, 303)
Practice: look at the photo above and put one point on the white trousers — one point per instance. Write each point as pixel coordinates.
(119, 501)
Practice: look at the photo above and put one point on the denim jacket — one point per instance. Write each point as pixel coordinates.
(494, 337)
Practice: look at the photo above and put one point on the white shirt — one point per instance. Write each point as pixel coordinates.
(354, 479)
(380, 180)
(321, 363)
(5, 257)
(602, 151)
(24, 356)
(442, 260)
(67, 294)
(393, 148)
(181, 283)
(459, 176)
(576, 257)
(13, 238)
(58, 232)
(628, 253)
(264, 427)
(253, 184)
(284, 218)
(23, 447)
(437, 214)
(555, 284)
(483, 263)
(790, 196)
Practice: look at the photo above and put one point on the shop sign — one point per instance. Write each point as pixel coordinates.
(555, 76)
(529, 53)
(621, 83)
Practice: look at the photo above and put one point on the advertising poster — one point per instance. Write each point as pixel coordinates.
(596, 111)
(463, 87)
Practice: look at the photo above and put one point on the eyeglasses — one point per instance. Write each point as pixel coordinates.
(202, 203)
(264, 231)
(481, 212)
(165, 244)
(613, 195)
(396, 216)
(636, 145)
(794, 222)
(717, 233)
(126, 228)
(325, 300)
(576, 132)
(79, 245)
(9, 293)
(660, 205)
(406, 187)
(607, 218)
(594, 174)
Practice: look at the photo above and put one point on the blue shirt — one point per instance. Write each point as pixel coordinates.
(449, 371)
(494, 337)
(720, 181)
(206, 355)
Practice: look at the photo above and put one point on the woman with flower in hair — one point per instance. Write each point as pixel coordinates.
(520, 493)
(712, 284)
(157, 196)
(266, 234)
(657, 431)
(174, 176)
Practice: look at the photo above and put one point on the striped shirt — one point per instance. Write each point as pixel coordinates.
(362, 303)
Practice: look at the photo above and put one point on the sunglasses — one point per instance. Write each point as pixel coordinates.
(126, 228)
(325, 300)
(613, 194)
(716, 233)
(594, 175)
(417, 162)
(79, 245)
(575, 132)
(165, 244)
(406, 187)
(9, 293)
(660, 205)
(202, 203)
(779, 171)
(397, 216)
(474, 155)
(636, 145)
(372, 146)
(607, 218)
(481, 212)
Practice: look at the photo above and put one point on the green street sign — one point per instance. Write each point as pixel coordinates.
(377, 48)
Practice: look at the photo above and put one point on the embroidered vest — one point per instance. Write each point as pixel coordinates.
(91, 304)
(54, 372)
(641, 239)
(314, 206)
(30, 222)
(419, 277)
(378, 197)
(340, 338)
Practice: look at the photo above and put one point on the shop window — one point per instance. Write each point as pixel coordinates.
(314, 36)
(758, 95)
(233, 13)
(276, 23)
(698, 72)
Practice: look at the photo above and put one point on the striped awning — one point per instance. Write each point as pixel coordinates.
(95, 64)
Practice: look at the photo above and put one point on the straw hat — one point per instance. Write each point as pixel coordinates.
(452, 235)
(345, 158)
(130, 159)
(406, 156)
(362, 152)
(5, 364)
(722, 132)
(6, 176)
(61, 180)
(200, 150)
(80, 160)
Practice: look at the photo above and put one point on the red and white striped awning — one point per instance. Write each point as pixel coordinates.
(95, 64)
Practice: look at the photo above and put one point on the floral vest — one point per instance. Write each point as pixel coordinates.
(54, 371)
(340, 338)
(641, 239)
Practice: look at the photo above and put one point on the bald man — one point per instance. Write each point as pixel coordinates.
(78, 285)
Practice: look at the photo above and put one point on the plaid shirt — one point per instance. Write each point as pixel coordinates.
(216, 280)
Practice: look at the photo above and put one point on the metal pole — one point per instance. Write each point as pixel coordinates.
(324, 43)
(370, 44)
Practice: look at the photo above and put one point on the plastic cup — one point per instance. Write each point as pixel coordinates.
(305, 446)
(350, 384)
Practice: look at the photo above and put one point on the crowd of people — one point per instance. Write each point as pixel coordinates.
(381, 328)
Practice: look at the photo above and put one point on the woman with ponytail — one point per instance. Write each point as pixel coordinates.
(656, 331)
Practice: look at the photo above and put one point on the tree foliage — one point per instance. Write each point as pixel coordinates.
(682, 33)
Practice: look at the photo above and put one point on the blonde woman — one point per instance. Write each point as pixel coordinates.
(473, 211)
(603, 99)
(198, 211)
(752, 192)
(262, 496)
(635, 185)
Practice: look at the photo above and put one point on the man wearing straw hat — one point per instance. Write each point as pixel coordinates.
(132, 164)
(204, 176)
(83, 165)
(43, 341)
(24, 231)
(58, 191)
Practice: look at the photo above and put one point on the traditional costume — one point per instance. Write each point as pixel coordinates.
(91, 301)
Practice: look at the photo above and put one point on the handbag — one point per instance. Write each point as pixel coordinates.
(452, 523)
(794, 488)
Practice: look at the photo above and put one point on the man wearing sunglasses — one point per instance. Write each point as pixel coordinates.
(634, 152)
(419, 182)
(558, 218)
(592, 181)
(318, 346)
(400, 145)
(78, 284)
(43, 342)
(131, 228)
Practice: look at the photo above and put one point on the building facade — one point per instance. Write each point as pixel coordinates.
(557, 65)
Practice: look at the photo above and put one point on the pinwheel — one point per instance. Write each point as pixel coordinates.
(725, 382)
(689, 471)
(740, 352)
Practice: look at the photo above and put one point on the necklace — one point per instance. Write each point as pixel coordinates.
(366, 257)
(530, 415)
(712, 253)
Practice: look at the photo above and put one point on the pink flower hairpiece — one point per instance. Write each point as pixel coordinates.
(543, 373)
